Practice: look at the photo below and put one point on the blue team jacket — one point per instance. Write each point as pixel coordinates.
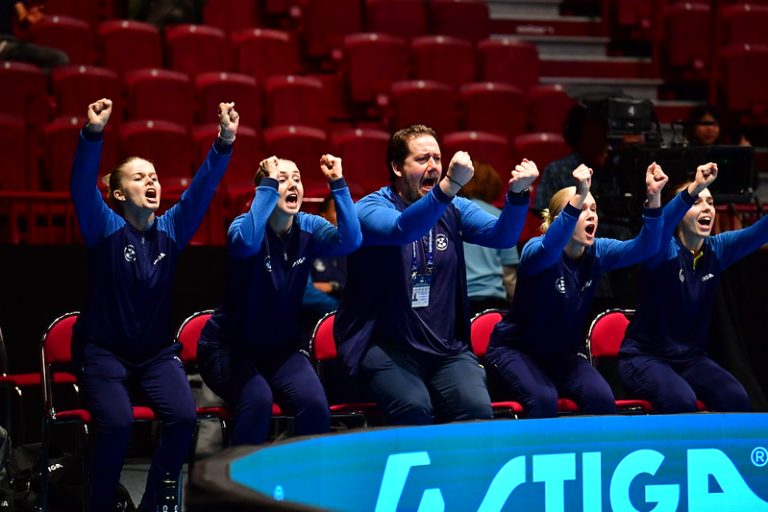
(130, 273)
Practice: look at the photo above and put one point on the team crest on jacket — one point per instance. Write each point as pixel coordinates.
(441, 242)
(268, 263)
(129, 253)
(560, 284)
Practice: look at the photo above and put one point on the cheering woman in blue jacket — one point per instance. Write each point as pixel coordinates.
(123, 336)
(538, 346)
(663, 358)
(250, 351)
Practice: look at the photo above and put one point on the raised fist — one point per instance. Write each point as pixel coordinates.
(229, 120)
(461, 170)
(270, 166)
(98, 114)
(523, 175)
(583, 176)
(331, 167)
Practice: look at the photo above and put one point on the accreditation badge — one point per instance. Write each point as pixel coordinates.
(420, 290)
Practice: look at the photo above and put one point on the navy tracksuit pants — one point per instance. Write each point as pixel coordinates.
(105, 381)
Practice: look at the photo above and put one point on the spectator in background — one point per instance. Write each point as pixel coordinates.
(15, 18)
(329, 273)
(703, 126)
(491, 273)
(166, 12)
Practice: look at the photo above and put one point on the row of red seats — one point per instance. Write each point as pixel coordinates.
(47, 217)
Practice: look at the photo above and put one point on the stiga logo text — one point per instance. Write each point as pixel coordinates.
(711, 482)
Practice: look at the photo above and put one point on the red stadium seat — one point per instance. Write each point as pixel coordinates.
(494, 108)
(87, 10)
(167, 145)
(127, 45)
(14, 174)
(195, 49)
(304, 146)
(424, 102)
(688, 40)
(325, 23)
(295, 100)
(75, 87)
(468, 19)
(744, 70)
(373, 62)
(542, 148)
(548, 106)
(263, 52)
(443, 59)
(60, 138)
(363, 152)
(401, 18)
(743, 23)
(231, 15)
(246, 154)
(213, 88)
(509, 61)
(483, 146)
(25, 91)
(160, 94)
(71, 35)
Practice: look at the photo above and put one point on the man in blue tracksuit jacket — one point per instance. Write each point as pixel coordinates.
(663, 358)
(538, 346)
(403, 323)
(250, 351)
(123, 336)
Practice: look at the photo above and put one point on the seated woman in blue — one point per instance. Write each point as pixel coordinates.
(537, 347)
(123, 336)
(250, 351)
(663, 358)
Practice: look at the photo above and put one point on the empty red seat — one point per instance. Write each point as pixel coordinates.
(443, 59)
(213, 88)
(743, 23)
(468, 19)
(87, 10)
(60, 138)
(688, 40)
(304, 146)
(542, 148)
(548, 106)
(160, 94)
(265, 52)
(75, 87)
(126, 45)
(13, 147)
(486, 147)
(25, 90)
(295, 100)
(510, 61)
(495, 108)
(246, 154)
(744, 71)
(167, 145)
(373, 62)
(402, 18)
(73, 36)
(196, 49)
(325, 23)
(363, 152)
(424, 102)
(231, 15)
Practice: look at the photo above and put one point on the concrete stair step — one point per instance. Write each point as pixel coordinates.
(566, 26)
(567, 47)
(605, 67)
(643, 88)
(501, 8)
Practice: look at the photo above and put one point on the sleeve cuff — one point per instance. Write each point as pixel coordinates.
(652, 212)
(686, 197)
(90, 135)
(440, 195)
(519, 198)
(337, 184)
(269, 182)
(571, 210)
(222, 149)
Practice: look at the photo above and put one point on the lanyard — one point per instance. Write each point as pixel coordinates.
(430, 257)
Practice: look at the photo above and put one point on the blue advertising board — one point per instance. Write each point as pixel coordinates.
(661, 463)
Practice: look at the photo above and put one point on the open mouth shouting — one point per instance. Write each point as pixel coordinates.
(705, 223)
(428, 183)
(151, 196)
(589, 229)
(292, 200)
